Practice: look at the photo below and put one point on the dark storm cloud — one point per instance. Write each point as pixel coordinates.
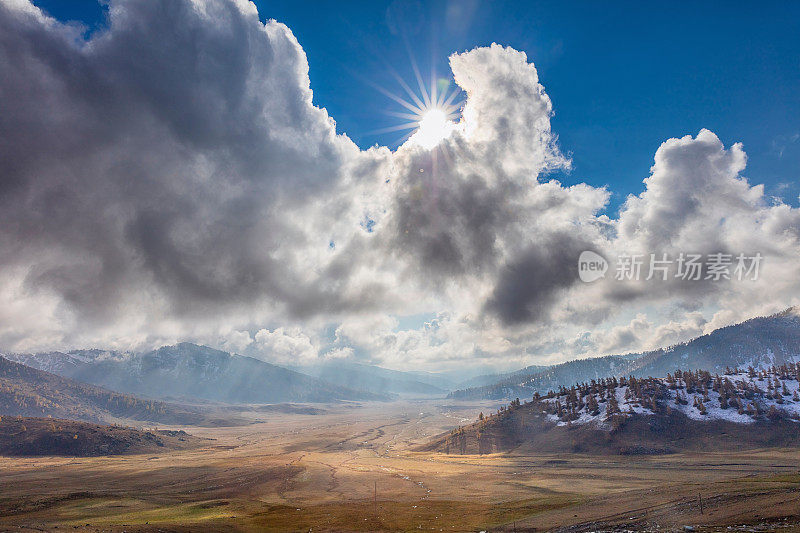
(447, 224)
(529, 284)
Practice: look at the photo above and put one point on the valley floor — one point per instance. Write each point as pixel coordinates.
(354, 468)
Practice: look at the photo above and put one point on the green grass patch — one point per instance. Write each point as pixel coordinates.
(404, 516)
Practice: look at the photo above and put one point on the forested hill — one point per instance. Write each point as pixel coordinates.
(684, 410)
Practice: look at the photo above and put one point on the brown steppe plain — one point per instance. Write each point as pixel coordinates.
(355, 468)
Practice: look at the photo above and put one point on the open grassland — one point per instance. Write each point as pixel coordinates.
(355, 468)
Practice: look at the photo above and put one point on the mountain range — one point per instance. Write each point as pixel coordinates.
(490, 379)
(26, 391)
(190, 371)
(759, 342)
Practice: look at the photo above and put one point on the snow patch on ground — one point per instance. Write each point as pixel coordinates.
(630, 405)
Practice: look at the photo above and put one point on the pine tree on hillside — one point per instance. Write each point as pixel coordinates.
(700, 406)
(592, 407)
(613, 406)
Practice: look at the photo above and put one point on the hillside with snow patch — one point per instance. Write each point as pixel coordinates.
(686, 410)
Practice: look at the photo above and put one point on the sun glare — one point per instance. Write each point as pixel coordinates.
(434, 127)
(431, 115)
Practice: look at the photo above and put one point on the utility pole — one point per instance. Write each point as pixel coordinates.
(700, 497)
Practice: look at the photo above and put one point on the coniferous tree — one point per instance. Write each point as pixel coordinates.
(592, 407)
(613, 406)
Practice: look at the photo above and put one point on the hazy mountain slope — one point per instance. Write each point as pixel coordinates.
(26, 391)
(372, 378)
(522, 385)
(190, 371)
(760, 342)
(491, 379)
(442, 380)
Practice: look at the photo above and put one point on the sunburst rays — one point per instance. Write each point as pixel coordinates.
(431, 111)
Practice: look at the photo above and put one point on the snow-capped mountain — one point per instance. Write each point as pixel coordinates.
(190, 371)
(65, 364)
(760, 342)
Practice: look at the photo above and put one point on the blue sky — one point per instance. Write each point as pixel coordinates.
(623, 77)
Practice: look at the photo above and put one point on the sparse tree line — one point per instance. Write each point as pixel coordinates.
(756, 393)
(457, 440)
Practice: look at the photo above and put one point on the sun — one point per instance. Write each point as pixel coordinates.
(431, 116)
(434, 127)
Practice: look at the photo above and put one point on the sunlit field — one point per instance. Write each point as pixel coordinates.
(355, 468)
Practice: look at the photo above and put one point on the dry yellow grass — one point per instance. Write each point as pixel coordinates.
(320, 472)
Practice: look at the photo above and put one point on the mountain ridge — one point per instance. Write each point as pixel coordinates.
(190, 371)
(27, 391)
(373, 378)
(759, 341)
